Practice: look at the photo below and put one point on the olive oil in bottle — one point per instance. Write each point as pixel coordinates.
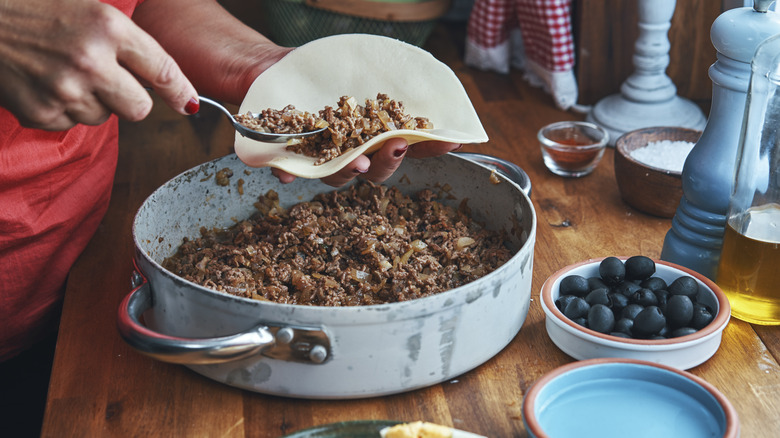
(749, 266)
(749, 269)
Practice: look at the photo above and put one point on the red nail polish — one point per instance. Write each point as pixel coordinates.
(192, 106)
(398, 153)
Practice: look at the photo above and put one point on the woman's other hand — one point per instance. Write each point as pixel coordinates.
(382, 164)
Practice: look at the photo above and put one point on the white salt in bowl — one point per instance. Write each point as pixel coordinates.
(648, 167)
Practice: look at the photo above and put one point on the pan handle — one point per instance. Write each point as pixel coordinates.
(286, 343)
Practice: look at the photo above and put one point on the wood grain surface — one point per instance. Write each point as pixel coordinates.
(100, 387)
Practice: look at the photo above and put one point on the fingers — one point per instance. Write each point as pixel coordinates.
(382, 164)
(86, 108)
(428, 149)
(357, 167)
(80, 63)
(148, 61)
(282, 176)
(386, 160)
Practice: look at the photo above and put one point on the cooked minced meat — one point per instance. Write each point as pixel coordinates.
(368, 244)
(349, 125)
(288, 120)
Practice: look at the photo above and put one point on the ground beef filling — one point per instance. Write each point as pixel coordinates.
(349, 125)
(368, 244)
(288, 120)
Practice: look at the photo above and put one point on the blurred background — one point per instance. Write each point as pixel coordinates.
(604, 35)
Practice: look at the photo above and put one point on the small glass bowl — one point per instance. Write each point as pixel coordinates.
(572, 148)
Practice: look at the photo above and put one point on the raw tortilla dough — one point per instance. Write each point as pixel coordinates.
(317, 74)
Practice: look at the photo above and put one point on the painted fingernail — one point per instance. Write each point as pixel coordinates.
(192, 106)
(398, 153)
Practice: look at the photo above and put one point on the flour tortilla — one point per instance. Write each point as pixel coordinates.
(317, 74)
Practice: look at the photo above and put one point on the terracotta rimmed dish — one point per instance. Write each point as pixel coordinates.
(684, 352)
(626, 397)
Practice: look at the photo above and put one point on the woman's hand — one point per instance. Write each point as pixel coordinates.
(78, 61)
(381, 164)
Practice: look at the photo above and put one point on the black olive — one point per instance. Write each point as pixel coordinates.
(617, 302)
(639, 267)
(627, 300)
(702, 315)
(649, 322)
(682, 331)
(598, 296)
(679, 310)
(612, 271)
(663, 296)
(596, 283)
(576, 308)
(563, 300)
(574, 285)
(620, 334)
(685, 285)
(623, 325)
(654, 283)
(631, 311)
(601, 319)
(644, 297)
(626, 288)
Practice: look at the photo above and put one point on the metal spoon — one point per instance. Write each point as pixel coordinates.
(268, 137)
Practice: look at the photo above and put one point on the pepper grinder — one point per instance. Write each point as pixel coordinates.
(696, 234)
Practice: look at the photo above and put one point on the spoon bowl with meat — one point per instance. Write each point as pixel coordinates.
(245, 126)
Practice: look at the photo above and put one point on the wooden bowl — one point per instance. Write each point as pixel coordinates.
(652, 190)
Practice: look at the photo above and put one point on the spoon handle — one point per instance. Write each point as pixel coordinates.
(218, 106)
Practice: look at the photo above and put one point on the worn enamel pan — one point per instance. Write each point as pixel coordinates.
(324, 352)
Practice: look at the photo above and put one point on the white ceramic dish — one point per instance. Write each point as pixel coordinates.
(324, 352)
(684, 352)
(611, 398)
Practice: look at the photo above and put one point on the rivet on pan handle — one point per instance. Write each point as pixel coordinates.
(299, 344)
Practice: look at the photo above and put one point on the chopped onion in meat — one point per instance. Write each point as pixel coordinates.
(339, 250)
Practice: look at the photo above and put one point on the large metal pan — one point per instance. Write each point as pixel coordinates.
(325, 352)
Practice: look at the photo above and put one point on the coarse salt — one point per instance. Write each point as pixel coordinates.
(665, 154)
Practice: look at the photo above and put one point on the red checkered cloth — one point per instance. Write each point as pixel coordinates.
(533, 35)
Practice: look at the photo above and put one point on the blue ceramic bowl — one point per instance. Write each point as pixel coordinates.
(626, 398)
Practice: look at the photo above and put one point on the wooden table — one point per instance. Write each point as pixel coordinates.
(101, 387)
